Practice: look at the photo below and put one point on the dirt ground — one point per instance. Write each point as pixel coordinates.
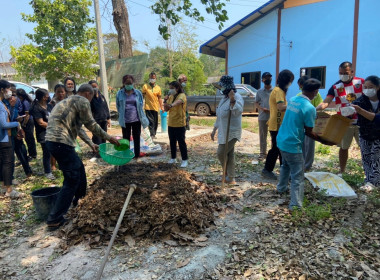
(250, 235)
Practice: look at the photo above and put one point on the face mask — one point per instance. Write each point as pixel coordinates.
(183, 84)
(152, 81)
(69, 88)
(8, 94)
(128, 87)
(267, 82)
(370, 92)
(345, 78)
(172, 91)
(288, 85)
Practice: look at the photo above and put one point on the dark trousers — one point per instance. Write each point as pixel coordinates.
(97, 140)
(74, 183)
(136, 132)
(153, 121)
(29, 138)
(46, 158)
(273, 154)
(22, 155)
(177, 134)
(7, 161)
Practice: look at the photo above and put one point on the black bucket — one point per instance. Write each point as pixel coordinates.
(43, 200)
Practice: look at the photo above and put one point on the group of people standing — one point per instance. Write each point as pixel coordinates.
(32, 118)
(290, 126)
(141, 108)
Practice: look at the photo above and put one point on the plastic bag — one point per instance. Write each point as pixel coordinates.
(347, 111)
(333, 184)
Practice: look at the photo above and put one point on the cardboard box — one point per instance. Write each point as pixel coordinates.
(331, 127)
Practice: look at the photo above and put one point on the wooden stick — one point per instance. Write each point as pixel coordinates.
(132, 188)
(226, 148)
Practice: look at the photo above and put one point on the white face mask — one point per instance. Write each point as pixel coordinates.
(172, 91)
(70, 89)
(345, 78)
(183, 84)
(152, 81)
(8, 94)
(370, 92)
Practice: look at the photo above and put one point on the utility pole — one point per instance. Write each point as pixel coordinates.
(102, 62)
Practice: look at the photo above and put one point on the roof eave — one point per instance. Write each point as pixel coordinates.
(212, 49)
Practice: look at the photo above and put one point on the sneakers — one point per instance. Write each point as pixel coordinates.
(184, 163)
(268, 174)
(172, 160)
(368, 187)
(50, 176)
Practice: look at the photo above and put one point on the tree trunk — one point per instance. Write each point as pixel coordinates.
(121, 22)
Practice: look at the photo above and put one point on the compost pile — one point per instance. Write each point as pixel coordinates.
(167, 202)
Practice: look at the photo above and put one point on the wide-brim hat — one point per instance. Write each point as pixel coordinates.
(226, 82)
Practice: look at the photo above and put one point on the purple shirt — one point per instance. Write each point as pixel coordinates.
(131, 114)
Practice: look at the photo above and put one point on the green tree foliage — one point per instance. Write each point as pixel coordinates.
(184, 63)
(213, 66)
(63, 45)
(171, 12)
(111, 47)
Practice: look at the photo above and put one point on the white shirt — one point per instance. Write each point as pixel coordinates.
(222, 113)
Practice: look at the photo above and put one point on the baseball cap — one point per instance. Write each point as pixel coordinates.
(266, 74)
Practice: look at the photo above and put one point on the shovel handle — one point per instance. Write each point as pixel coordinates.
(226, 148)
(132, 188)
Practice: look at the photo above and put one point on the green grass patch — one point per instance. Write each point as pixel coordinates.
(250, 126)
(310, 213)
(202, 122)
(322, 149)
(354, 175)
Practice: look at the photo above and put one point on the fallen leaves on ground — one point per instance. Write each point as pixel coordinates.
(167, 201)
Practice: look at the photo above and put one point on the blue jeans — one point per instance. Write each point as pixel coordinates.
(293, 166)
(74, 183)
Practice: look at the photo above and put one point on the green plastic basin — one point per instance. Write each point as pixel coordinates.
(112, 156)
(124, 145)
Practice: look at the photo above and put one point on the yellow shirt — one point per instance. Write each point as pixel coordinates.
(177, 114)
(151, 96)
(275, 116)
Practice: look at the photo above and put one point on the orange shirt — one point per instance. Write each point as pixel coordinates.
(151, 96)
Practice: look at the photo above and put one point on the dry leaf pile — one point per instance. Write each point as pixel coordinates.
(343, 246)
(166, 201)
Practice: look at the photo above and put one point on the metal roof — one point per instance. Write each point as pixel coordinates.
(217, 46)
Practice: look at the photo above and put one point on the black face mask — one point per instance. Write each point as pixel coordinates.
(267, 82)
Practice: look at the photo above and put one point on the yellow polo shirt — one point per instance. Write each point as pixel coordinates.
(177, 114)
(151, 96)
(276, 116)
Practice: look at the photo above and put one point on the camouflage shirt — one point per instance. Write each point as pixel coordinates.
(67, 118)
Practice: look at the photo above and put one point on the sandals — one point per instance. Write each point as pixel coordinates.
(53, 227)
(14, 194)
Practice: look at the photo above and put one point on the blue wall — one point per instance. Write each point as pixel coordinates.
(254, 42)
(368, 60)
(321, 35)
